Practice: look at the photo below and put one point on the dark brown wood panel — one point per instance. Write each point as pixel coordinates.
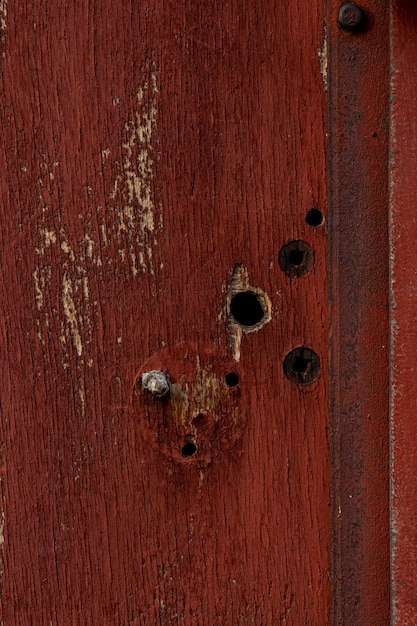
(155, 157)
(359, 315)
(403, 297)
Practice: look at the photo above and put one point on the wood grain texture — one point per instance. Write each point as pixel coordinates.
(403, 295)
(146, 150)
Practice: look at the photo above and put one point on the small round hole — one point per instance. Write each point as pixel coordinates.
(246, 308)
(314, 218)
(232, 379)
(189, 449)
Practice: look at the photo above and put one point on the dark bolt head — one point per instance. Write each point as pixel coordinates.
(350, 16)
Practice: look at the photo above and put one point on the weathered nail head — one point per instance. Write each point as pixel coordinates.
(156, 383)
(350, 16)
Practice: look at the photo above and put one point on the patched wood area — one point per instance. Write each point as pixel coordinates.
(157, 159)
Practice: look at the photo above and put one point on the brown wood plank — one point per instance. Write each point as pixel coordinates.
(404, 337)
(148, 151)
(359, 324)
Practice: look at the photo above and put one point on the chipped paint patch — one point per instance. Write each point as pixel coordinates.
(74, 291)
(66, 248)
(129, 222)
(323, 58)
(3, 14)
(41, 278)
(81, 396)
(2, 529)
(47, 239)
(137, 216)
(70, 312)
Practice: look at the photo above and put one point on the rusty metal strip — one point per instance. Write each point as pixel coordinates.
(359, 336)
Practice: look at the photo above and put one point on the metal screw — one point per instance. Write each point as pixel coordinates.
(156, 383)
(296, 258)
(350, 16)
(302, 366)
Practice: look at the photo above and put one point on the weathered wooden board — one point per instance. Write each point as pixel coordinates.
(404, 303)
(150, 153)
(359, 324)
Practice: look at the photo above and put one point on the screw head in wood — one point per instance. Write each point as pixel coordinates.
(296, 258)
(350, 16)
(302, 366)
(155, 382)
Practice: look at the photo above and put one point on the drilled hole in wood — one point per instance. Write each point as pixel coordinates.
(300, 365)
(189, 449)
(246, 308)
(232, 379)
(314, 218)
(296, 258)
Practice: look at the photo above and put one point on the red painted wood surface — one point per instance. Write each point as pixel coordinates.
(148, 149)
(359, 324)
(404, 306)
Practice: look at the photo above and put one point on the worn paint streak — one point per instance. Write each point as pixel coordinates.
(323, 58)
(3, 14)
(70, 312)
(132, 197)
(74, 287)
(41, 277)
(47, 239)
(1, 529)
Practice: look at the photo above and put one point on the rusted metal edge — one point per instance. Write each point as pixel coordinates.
(359, 328)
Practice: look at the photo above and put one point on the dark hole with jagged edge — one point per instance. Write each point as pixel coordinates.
(296, 257)
(300, 365)
(314, 218)
(246, 308)
(189, 449)
(232, 379)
